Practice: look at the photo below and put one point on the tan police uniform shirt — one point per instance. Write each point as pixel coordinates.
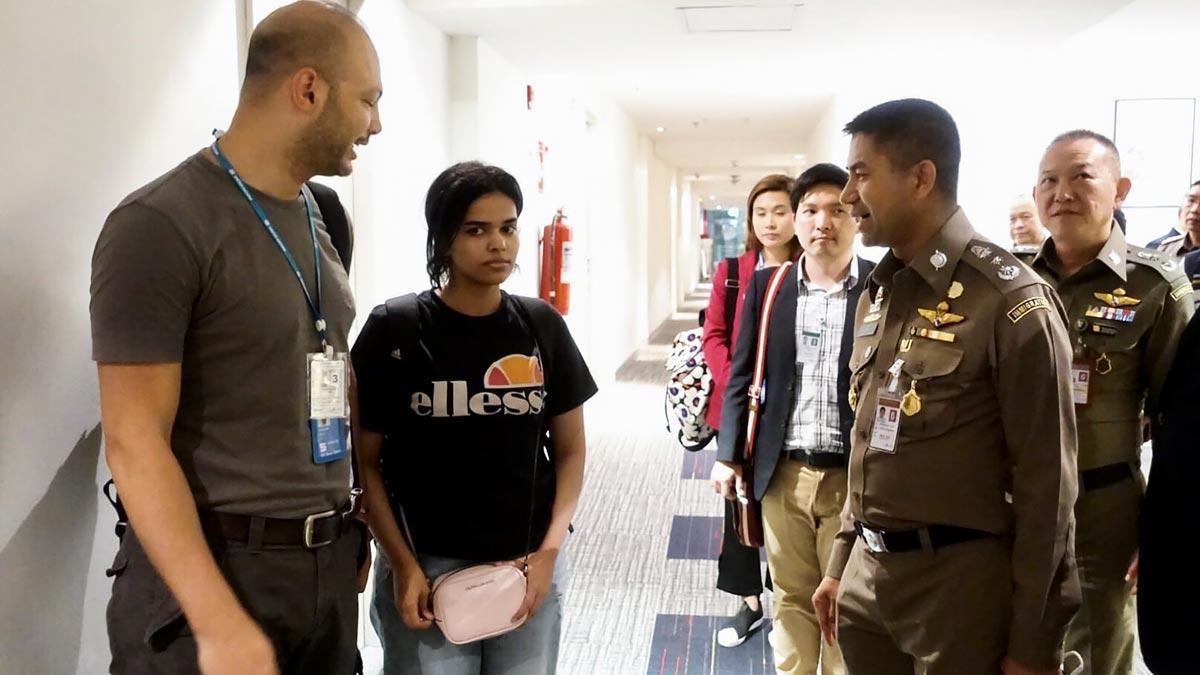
(1125, 312)
(979, 340)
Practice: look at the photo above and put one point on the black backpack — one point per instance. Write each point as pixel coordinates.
(336, 222)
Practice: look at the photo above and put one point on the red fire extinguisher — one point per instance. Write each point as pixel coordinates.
(555, 286)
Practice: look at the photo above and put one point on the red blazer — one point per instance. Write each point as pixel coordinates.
(717, 328)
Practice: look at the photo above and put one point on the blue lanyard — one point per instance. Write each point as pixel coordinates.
(314, 307)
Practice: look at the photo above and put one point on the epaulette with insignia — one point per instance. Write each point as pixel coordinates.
(1002, 268)
(1165, 265)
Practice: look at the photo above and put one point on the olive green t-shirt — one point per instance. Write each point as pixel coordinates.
(184, 272)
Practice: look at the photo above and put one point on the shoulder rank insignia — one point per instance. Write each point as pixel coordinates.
(1117, 298)
(1008, 272)
(1114, 257)
(1147, 255)
(1169, 265)
(981, 252)
(942, 316)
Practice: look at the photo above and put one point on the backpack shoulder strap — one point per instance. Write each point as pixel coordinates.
(404, 323)
(733, 285)
(337, 224)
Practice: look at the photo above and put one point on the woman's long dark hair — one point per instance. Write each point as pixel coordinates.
(447, 202)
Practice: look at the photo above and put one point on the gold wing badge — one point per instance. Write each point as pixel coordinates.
(942, 316)
(1118, 298)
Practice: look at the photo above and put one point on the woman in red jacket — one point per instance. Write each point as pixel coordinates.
(770, 240)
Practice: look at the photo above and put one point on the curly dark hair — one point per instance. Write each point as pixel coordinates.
(447, 202)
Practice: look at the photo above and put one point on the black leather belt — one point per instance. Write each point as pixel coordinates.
(1103, 476)
(900, 541)
(817, 460)
(315, 531)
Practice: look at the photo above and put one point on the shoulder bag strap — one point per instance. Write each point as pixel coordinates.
(733, 285)
(760, 356)
(404, 331)
(540, 443)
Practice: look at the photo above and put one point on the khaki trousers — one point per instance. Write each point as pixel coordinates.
(943, 612)
(800, 518)
(1106, 538)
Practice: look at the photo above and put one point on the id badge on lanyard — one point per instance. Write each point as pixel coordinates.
(327, 372)
(328, 406)
(886, 428)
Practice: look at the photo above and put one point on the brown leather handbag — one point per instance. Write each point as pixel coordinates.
(747, 510)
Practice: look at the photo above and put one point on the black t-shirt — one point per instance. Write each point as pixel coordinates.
(460, 404)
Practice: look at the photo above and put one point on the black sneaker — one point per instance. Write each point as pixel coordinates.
(740, 626)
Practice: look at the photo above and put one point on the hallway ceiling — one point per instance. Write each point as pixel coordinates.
(751, 97)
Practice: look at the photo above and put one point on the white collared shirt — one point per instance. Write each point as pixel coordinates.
(821, 315)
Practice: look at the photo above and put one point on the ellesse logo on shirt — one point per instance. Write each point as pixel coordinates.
(516, 373)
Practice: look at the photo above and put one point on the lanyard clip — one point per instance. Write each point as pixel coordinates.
(894, 371)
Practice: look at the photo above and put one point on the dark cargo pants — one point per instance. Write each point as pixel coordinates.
(305, 600)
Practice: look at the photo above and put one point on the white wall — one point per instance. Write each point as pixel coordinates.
(102, 97)
(393, 174)
(660, 221)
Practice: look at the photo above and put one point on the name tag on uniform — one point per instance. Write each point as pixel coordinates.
(886, 428)
(328, 406)
(809, 350)
(1081, 381)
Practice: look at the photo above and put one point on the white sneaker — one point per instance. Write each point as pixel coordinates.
(740, 626)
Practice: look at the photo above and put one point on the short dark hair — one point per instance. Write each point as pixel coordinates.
(911, 130)
(447, 202)
(311, 34)
(817, 174)
(1088, 134)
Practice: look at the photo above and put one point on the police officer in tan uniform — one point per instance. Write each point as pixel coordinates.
(1126, 308)
(955, 552)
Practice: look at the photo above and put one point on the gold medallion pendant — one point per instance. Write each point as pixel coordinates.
(911, 403)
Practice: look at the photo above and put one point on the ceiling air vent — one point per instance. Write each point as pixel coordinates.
(739, 18)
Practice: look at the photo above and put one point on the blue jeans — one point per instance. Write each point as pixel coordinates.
(532, 649)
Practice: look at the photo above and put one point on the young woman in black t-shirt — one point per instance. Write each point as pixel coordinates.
(452, 402)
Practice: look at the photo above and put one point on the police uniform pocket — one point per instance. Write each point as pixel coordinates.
(930, 388)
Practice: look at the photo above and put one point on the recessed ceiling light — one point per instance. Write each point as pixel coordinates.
(660, 129)
(711, 197)
(739, 19)
(797, 156)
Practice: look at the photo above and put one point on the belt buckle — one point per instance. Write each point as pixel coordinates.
(310, 523)
(874, 540)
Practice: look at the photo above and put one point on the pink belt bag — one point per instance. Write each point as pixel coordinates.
(478, 602)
